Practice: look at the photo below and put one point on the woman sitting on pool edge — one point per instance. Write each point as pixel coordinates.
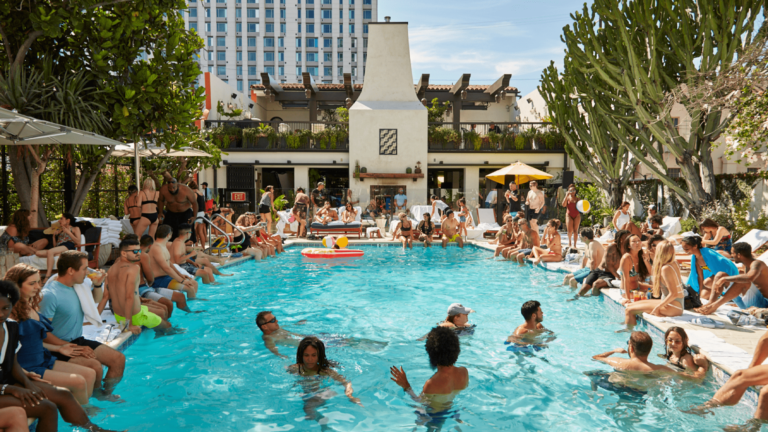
(554, 251)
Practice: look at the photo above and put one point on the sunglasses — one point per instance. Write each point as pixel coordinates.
(272, 321)
(136, 252)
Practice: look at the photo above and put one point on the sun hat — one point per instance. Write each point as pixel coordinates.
(457, 308)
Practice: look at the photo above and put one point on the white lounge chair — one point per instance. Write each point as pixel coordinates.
(755, 238)
(486, 220)
(671, 226)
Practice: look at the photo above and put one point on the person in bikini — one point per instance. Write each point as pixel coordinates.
(324, 215)
(148, 197)
(349, 215)
(67, 237)
(132, 207)
(426, 228)
(15, 238)
(165, 275)
(716, 237)
(404, 232)
(572, 214)
(507, 236)
(554, 251)
(593, 255)
(632, 268)
(450, 230)
(299, 210)
(749, 289)
(530, 239)
(201, 230)
(680, 356)
(608, 270)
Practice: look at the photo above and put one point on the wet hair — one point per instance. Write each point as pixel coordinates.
(146, 240)
(311, 341)
(588, 233)
(163, 231)
(683, 336)
(68, 216)
(641, 342)
(657, 218)
(20, 220)
(127, 243)
(261, 318)
(554, 223)
(70, 259)
(18, 274)
(743, 249)
(184, 227)
(529, 309)
(132, 189)
(692, 241)
(708, 223)
(10, 291)
(443, 347)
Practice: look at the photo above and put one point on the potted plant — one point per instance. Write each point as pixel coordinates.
(363, 170)
(250, 137)
(450, 136)
(408, 170)
(494, 138)
(519, 142)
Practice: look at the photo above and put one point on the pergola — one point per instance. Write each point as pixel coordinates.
(461, 95)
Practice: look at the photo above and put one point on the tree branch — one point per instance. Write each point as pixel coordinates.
(6, 42)
(24, 48)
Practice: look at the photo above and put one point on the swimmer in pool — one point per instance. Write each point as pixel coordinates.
(439, 391)
(640, 344)
(527, 332)
(273, 334)
(457, 319)
(311, 362)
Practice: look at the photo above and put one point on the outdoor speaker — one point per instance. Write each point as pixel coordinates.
(567, 178)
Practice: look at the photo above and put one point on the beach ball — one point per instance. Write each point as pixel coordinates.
(292, 219)
(583, 206)
(342, 242)
(329, 242)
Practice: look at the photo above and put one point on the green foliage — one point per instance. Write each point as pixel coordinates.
(519, 142)
(688, 225)
(747, 133)
(494, 138)
(599, 206)
(343, 114)
(230, 115)
(473, 138)
(436, 111)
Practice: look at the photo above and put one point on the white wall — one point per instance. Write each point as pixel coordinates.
(218, 90)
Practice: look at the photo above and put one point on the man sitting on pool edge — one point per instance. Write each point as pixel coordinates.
(451, 230)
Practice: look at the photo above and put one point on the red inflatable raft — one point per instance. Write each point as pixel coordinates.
(331, 253)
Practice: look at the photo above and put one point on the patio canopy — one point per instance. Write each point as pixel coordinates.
(17, 129)
(128, 150)
(523, 173)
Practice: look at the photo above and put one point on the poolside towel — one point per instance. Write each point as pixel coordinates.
(85, 295)
(707, 322)
(715, 263)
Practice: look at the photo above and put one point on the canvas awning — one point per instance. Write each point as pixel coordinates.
(17, 129)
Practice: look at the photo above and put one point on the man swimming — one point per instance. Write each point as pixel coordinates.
(527, 332)
(640, 345)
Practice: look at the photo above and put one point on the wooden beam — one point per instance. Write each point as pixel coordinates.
(349, 89)
(309, 83)
(499, 85)
(421, 87)
(461, 84)
(271, 83)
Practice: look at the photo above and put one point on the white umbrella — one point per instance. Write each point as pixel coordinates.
(17, 129)
(128, 150)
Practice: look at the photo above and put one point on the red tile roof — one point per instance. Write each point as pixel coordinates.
(358, 87)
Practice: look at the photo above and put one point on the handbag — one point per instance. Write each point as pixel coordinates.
(692, 299)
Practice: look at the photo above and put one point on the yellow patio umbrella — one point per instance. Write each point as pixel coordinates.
(523, 174)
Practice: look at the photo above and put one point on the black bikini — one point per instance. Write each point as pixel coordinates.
(151, 216)
(136, 218)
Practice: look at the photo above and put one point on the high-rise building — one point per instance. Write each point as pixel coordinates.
(283, 38)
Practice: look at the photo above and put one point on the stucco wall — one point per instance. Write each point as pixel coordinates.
(217, 90)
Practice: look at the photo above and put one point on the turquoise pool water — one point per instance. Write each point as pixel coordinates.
(219, 376)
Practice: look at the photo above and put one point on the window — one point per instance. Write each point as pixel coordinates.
(221, 12)
(327, 14)
(341, 28)
(310, 1)
(312, 43)
(340, 71)
(298, 42)
(676, 123)
(253, 27)
(221, 55)
(327, 57)
(753, 170)
(354, 57)
(221, 41)
(193, 26)
(254, 13)
(207, 12)
(310, 13)
(299, 28)
(298, 56)
(365, 28)
(239, 42)
(341, 14)
(282, 13)
(251, 1)
(239, 70)
(673, 172)
(351, 14)
(281, 42)
(210, 41)
(269, 70)
(221, 27)
(269, 1)
(354, 42)
(221, 70)
(312, 71)
(238, 13)
(327, 71)
(365, 57)
(327, 28)
(327, 43)
(281, 70)
(210, 55)
(298, 71)
(281, 56)
(252, 70)
(225, 81)
(221, 1)
(239, 56)
(310, 28)
(239, 85)
(367, 14)
(208, 27)
(269, 56)
(351, 2)
(269, 42)
(253, 82)
(270, 28)
(367, 2)
(365, 42)
(311, 57)
(354, 71)
(339, 42)
(282, 28)
(351, 29)
(251, 56)
(252, 41)
(193, 13)
(340, 57)
(270, 13)
(239, 27)
(326, 2)
(210, 69)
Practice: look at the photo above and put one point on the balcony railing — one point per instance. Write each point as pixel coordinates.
(495, 137)
(280, 136)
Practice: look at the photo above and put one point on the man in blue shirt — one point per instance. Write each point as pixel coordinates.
(401, 202)
(61, 304)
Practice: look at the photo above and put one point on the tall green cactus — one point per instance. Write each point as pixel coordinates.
(639, 50)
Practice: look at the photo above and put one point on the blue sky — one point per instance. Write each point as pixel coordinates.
(485, 38)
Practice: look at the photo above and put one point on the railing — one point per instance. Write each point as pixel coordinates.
(494, 137)
(281, 136)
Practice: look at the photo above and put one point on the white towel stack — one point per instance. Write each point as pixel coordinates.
(110, 229)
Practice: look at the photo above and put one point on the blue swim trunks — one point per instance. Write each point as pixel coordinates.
(525, 252)
(580, 274)
(162, 281)
(142, 289)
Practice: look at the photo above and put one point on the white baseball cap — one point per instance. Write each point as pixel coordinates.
(456, 309)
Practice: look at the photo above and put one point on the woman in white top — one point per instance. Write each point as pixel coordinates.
(621, 218)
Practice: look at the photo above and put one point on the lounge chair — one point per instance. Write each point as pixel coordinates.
(755, 238)
(487, 223)
(338, 227)
(671, 226)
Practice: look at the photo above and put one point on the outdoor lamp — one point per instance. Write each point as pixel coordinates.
(308, 93)
(234, 95)
(503, 95)
(464, 94)
(497, 97)
(348, 102)
(250, 105)
(424, 101)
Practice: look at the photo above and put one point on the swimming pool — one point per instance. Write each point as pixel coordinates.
(219, 376)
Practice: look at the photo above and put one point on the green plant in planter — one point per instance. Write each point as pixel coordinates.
(363, 170)
(235, 248)
(322, 139)
(450, 136)
(519, 142)
(494, 138)
(332, 140)
(251, 134)
(272, 137)
(265, 130)
(305, 136)
(408, 170)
